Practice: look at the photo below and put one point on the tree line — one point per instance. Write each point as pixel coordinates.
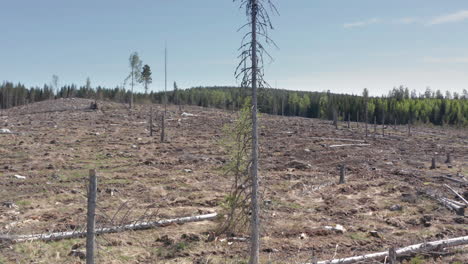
(400, 106)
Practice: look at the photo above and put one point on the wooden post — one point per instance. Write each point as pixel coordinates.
(392, 256)
(151, 122)
(162, 128)
(349, 120)
(433, 165)
(342, 174)
(91, 221)
(449, 159)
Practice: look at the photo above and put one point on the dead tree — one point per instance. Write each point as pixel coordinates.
(252, 50)
(91, 221)
(162, 129)
(165, 81)
(151, 122)
(366, 120)
(163, 118)
(349, 120)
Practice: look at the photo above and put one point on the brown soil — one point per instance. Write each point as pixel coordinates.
(57, 142)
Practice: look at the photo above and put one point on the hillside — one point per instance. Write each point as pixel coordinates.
(384, 202)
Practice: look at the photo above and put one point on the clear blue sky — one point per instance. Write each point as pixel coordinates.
(342, 46)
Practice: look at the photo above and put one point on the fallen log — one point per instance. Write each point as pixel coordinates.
(459, 208)
(348, 145)
(440, 244)
(457, 194)
(106, 230)
(452, 179)
(338, 139)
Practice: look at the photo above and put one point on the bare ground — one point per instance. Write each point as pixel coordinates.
(57, 142)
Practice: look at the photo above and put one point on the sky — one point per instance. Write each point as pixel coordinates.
(338, 45)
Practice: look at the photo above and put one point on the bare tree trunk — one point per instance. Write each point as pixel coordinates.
(162, 129)
(165, 81)
(165, 97)
(90, 234)
(367, 120)
(349, 120)
(255, 235)
(131, 94)
(151, 122)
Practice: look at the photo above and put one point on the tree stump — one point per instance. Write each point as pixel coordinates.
(342, 174)
(449, 158)
(433, 163)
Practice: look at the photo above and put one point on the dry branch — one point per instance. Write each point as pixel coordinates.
(106, 230)
(440, 244)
